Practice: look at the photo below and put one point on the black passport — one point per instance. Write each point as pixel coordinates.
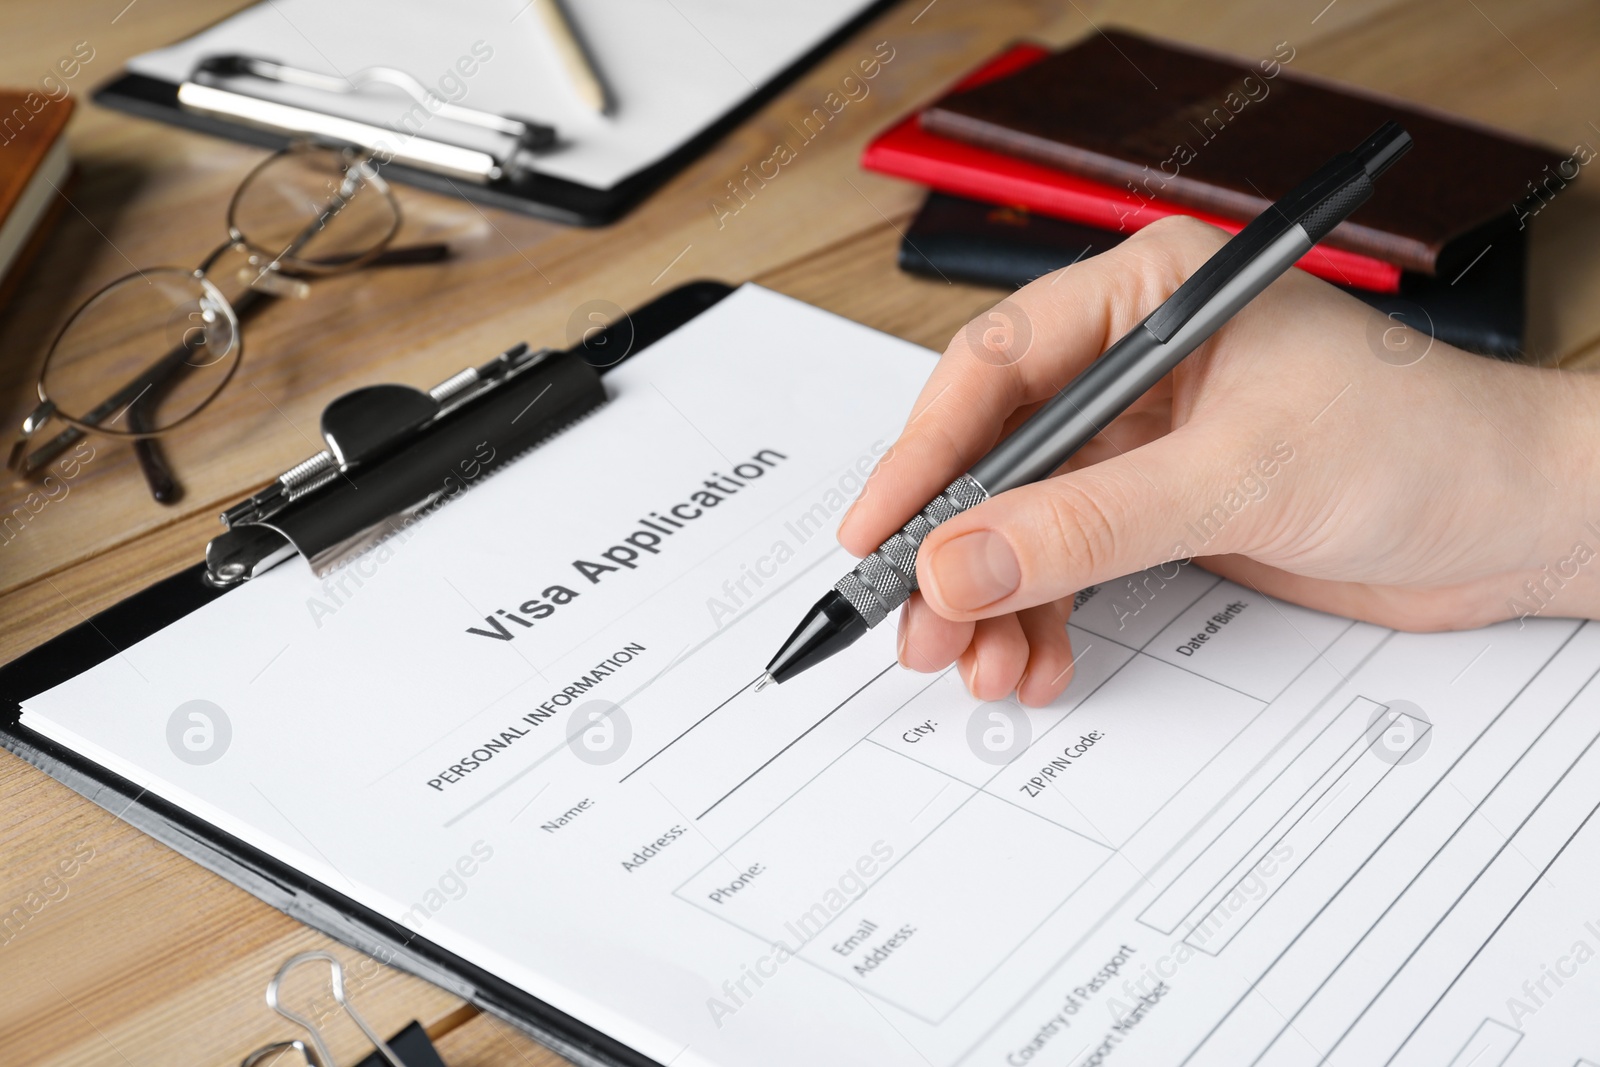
(1480, 308)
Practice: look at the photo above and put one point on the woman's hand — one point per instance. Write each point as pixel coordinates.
(1312, 449)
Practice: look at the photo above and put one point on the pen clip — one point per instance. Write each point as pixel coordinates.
(1317, 205)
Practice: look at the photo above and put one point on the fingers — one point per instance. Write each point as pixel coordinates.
(1050, 658)
(1045, 541)
(927, 642)
(1032, 657)
(993, 663)
(1017, 354)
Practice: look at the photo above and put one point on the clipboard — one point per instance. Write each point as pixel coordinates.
(283, 887)
(527, 192)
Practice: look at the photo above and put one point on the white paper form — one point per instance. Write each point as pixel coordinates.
(671, 67)
(1299, 840)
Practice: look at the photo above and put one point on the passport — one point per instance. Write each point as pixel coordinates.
(1481, 308)
(1231, 136)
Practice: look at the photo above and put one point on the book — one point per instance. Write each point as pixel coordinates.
(1231, 137)
(1481, 310)
(908, 151)
(35, 164)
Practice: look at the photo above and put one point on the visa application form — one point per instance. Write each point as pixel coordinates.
(1248, 832)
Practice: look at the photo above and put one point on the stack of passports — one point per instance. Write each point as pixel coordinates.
(957, 240)
(1175, 130)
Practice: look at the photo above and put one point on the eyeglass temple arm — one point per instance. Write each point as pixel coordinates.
(164, 488)
(151, 456)
(124, 397)
(410, 254)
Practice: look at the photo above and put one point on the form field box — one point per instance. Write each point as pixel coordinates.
(788, 878)
(1489, 1045)
(1244, 842)
(929, 932)
(1127, 751)
(1133, 609)
(1246, 641)
(943, 725)
(1249, 886)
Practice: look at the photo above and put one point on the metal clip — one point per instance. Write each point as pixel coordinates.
(209, 91)
(271, 1055)
(320, 1057)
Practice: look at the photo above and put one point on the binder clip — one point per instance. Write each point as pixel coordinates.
(408, 1048)
(395, 452)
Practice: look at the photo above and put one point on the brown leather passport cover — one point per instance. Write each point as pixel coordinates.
(1218, 134)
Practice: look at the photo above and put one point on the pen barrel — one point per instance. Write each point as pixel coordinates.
(1085, 406)
(1126, 371)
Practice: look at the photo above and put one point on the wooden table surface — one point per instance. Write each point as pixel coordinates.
(141, 957)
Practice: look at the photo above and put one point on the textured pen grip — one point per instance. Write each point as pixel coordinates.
(886, 579)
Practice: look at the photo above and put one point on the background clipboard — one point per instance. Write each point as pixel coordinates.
(283, 887)
(536, 194)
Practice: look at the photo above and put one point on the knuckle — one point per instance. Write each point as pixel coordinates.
(988, 349)
(1183, 229)
(1079, 524)
(1152, 263)
(1174, 247)
(962, 453)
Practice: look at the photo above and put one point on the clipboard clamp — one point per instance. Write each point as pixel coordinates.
(213, 89)
(395, 452)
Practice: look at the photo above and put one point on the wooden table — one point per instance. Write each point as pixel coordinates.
(144, 957)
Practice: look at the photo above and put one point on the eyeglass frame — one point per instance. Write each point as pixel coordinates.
(280, 264)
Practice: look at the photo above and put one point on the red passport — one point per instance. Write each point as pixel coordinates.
(907, 151)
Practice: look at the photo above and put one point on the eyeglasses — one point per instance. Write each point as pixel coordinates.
(148, 352)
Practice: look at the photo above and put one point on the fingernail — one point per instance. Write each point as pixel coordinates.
(974, 570)
(900, 643)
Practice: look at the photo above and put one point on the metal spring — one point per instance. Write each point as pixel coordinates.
(294, 478)
(454, 384)
(312, 484)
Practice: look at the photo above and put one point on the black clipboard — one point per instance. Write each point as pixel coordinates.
(290, 891)
(539, 195)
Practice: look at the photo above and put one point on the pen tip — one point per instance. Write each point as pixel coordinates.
(765, 680)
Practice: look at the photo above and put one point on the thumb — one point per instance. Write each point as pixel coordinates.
(1166, 500)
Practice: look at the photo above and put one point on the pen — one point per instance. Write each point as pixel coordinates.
(1272, 242)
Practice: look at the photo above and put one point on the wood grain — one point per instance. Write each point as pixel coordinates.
(140, 957)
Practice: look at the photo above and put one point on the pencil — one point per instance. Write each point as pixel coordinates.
(573, 57)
